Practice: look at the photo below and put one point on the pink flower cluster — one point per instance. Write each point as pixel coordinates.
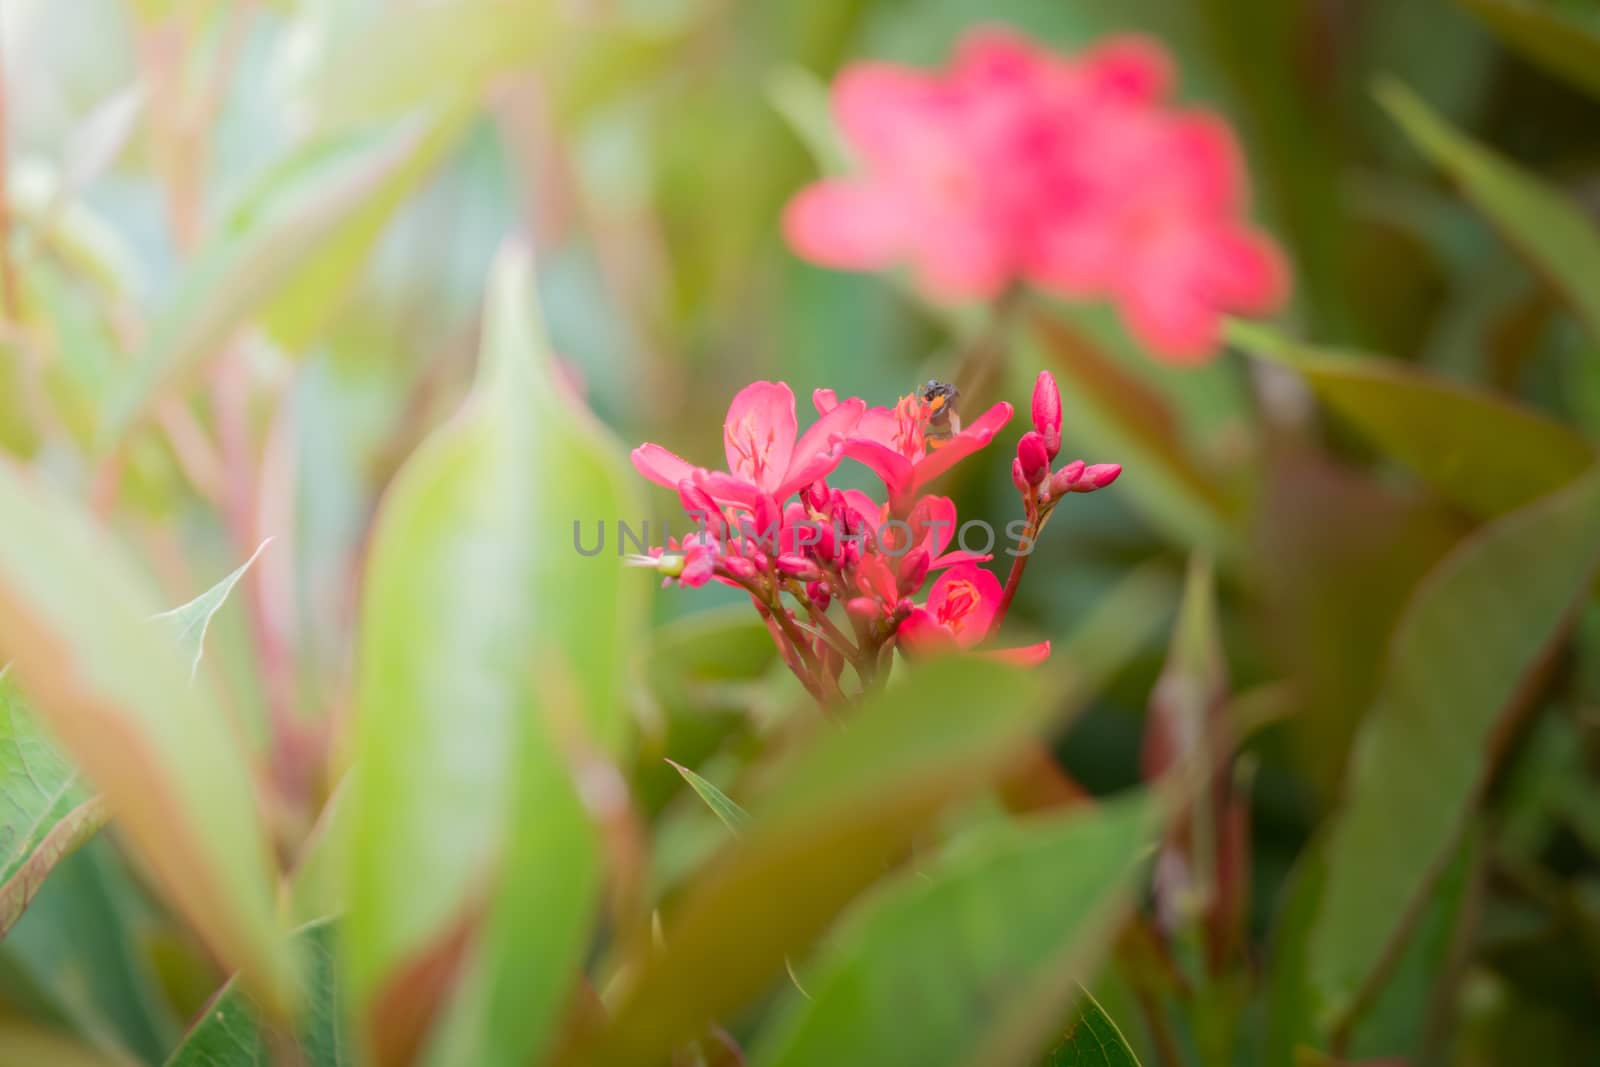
(1070, 173)
(838, 574)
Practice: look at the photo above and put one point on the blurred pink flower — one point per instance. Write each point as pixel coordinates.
(1071, 173)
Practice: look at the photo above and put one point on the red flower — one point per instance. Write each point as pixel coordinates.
(1070, 173)
(892, 442)
(959, 614)
(763, 452)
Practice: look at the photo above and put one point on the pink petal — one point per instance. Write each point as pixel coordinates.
(963, 444)
(962, 258)
(661, 466)
(1244, 271)
(759, 433)
(959, 556)
(824, 400)
(729, 488)
(1130, 68)
(886, 463)
(869, 510)
(933, 523)
(1025, 656)
(969, 622)
(888, 112)
(821, 447)
(1172, 320)
(846, 225)
(920, 636)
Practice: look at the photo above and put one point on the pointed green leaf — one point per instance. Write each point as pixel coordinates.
(1479, 450)
(1470, 643)
(191, 621)
(289, 253)
(1093, 1040)
(114, 690)
(732, 815)
(492, 657)
(231, 1034)
(1555, 235)
(918, 972)
(1561, 42)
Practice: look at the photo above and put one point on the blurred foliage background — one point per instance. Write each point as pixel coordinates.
(245, 251)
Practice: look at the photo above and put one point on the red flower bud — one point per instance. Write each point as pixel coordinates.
(819, 595)
(1033, 458)
(862, 608)
(1019, 479)
(1097, 477)
(1063, 481)
(914, 571)
(815, 496)
(1047, 412)
(739, 567)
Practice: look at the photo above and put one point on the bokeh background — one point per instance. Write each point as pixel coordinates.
(290, 208)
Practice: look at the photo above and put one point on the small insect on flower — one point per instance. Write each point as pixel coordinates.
(944, 421)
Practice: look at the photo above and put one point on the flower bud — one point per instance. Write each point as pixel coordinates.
(1019, 479)
(1063, 481)
(1047, 412)
(815, 496)
(739, 567)
(862, 608)
(819, 595)
(914, 571)
(1097, 477)
(799, 567)
(1033, 459)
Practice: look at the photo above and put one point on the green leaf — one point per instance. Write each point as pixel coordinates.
(40, 793)
(191, 621)
(732, 815)
(1093, 1040)
(920, 971)
(1566, 46)
(493, 659)
(854, 797)
(289, 253)
(78, 958)
(115, 692)
(1546, 227)
(1466, 651)
(231, 1032)
(1482, 452)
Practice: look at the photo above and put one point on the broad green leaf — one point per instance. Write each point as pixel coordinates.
(1470, 643)
(732, 815)
(289, 252)
(492, 661)
(114, 690)
(1556, 40)
(231, 1032)
(1556, 236)
(1093, 1040)
(191, 621)
(44, 806)
(917, 973)
(1134, 423)
(834, 814)
(78, 958)
(1482, 452)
